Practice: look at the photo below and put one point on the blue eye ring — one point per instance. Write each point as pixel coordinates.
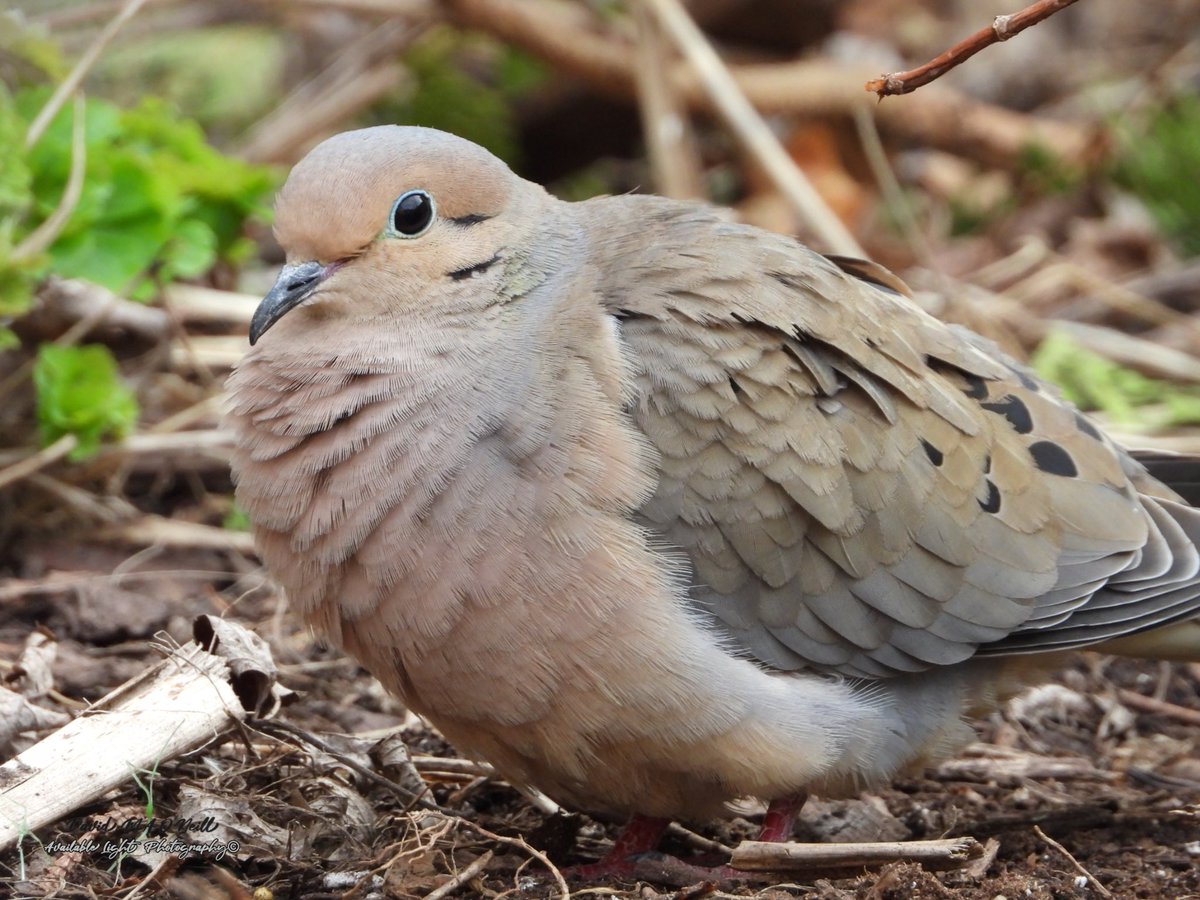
(413, 214)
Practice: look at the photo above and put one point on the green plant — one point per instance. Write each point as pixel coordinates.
(157, 203)
(1092, 382)
(236, 519)
(80, 392)
(1161, 165)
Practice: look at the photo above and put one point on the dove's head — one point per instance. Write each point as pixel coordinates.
(383, 221)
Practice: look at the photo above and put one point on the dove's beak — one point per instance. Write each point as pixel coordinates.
(294, 285)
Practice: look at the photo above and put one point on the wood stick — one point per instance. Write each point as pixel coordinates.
(159, 531)
(180, 704)
(670, 143)
(1001, 29)
(754, 134)
(570, 39)
(75, 77)
(1091, 879)
(39, 460)
(461, 878)
(1145, 704)
(191, 303)
(762, 856)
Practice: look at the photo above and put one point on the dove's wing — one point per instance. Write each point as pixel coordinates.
(859, 487)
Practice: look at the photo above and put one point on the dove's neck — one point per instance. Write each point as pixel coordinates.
(361, 454)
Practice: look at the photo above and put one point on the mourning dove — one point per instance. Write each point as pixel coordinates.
(655, 511)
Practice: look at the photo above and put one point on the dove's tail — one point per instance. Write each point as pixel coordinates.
(1179, 472)
(1179, 641)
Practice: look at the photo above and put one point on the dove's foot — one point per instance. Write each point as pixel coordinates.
(633, 856)
(639, 836)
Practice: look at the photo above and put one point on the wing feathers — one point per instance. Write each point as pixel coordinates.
(863, 489)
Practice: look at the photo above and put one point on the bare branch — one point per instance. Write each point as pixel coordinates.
(39, 125)
(754, 134)
(577, 44)
(1001, 29)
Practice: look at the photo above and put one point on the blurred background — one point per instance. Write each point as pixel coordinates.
(1046, 193)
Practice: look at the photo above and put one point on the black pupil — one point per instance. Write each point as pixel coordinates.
(413, 213)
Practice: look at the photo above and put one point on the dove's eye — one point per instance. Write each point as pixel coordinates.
(412, 215)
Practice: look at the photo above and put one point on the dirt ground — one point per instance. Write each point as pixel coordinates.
(1112, 781)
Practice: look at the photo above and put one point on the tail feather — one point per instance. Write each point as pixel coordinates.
(1179, 642)
(1178, 471)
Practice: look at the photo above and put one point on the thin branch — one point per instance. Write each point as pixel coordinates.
(1100, 889)
(46, 233)
(39, 460)
(461, 878)
(360, 74)
(1001, 29)
(762, 856)
(1145, 704)
(752, 131)
(284, 731)
(670, 144)
(577, 44)
(521, 843)
(69, 85)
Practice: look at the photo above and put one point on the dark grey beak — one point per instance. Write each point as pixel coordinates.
(292, 287)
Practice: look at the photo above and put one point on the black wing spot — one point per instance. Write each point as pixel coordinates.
(1013, 409)
(737, 388)
(1050, 457)
(935, 455)
(1027, 381)
(991, 504)
(987, 464)
(976, 387)
(1087, 427)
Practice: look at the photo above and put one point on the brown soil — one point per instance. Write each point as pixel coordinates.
(1126, 807)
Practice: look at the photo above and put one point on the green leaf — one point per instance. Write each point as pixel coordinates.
(1160, 165)
(191, 251)
(1092, 382)
(16, 180)
(158, 203)
(236, 519)
(80, 392)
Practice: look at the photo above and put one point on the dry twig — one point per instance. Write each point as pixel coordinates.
(71, 83)
(43, 236)
(575, 44)
(669, 142)
(364, 71)
(752, 131)
(461, 878)
(39, 460)
(1001, 29)
(763, 856)
(521, 843)
(1100, 889)
(1145, 704)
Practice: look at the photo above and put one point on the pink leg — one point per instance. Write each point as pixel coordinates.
(780, 817)
(640, 835)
